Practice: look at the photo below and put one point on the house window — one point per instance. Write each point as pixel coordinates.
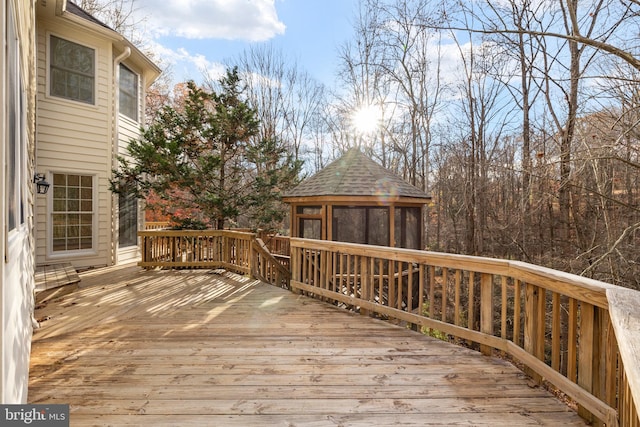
(15, 134)
(128, 219)
(73, 212)
(72, 69)
(128, 93)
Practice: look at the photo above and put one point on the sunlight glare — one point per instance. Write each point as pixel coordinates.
(272, 301)
(366, 119)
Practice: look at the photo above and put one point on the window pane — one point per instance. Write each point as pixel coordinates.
(59, 232)
(59, 179)
(86, 219)
(73, 205)
(73, 193)
(58, 205)
(86, 243)
(86, 193)
(73, 244)
(59, 245)
(85, 231)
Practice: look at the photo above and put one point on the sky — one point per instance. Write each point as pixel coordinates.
(194, 35)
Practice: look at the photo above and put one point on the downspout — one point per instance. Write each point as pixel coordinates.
(115, 149)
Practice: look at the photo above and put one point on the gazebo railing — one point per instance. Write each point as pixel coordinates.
(559, 326)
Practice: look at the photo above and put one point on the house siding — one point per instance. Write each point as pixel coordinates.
(71, 138)
(76, 138)
(16, 269)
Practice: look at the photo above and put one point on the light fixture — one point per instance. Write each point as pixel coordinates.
(42, 185)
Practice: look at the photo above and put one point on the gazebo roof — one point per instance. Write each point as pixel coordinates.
(354, 174)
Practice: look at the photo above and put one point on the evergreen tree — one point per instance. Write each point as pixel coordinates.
(275, 170)
(192, 156)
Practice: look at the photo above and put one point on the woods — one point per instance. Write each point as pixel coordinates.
(519, 117)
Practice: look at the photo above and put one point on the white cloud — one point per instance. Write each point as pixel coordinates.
(250, 20)
(188, 66)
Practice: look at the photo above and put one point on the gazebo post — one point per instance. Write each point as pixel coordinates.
(392, 225)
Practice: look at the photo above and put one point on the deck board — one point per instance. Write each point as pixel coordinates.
(136, 347)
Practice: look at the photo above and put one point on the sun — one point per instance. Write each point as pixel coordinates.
(366, 119)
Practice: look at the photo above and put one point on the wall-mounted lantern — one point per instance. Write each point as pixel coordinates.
(42, 185)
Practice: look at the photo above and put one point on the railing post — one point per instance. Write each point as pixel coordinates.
(296, 266)
(486, 309)
(586, 348)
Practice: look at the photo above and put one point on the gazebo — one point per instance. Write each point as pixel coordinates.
(356, 200)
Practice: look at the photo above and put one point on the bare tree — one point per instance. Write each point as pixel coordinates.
(287, 98)
(119, 15)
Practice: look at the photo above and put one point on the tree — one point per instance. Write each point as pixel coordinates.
(193, 155)
(276, 169)
(117, 14)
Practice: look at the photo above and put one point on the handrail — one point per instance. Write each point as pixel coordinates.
(236, 251)
(558, 325)
(625, 318)
(267, 268)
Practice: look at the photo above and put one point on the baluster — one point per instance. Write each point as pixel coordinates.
(486, 309)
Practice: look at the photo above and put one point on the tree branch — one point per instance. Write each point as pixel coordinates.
(613, 247)
(620, 53)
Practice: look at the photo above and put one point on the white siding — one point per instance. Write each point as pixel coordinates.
(16, 246)
(73, 137)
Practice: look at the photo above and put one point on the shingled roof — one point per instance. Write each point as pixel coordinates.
(354, 174)
(78, 11)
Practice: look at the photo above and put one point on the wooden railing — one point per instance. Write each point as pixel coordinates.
(559, 326)
(278, 245)
(268, 267)
(156, 225)
(231, 250)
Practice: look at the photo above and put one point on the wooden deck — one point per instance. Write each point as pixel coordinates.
(193, 348)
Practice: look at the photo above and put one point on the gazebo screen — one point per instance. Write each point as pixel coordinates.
(407, 227)
(310, 218)
(361, 224)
